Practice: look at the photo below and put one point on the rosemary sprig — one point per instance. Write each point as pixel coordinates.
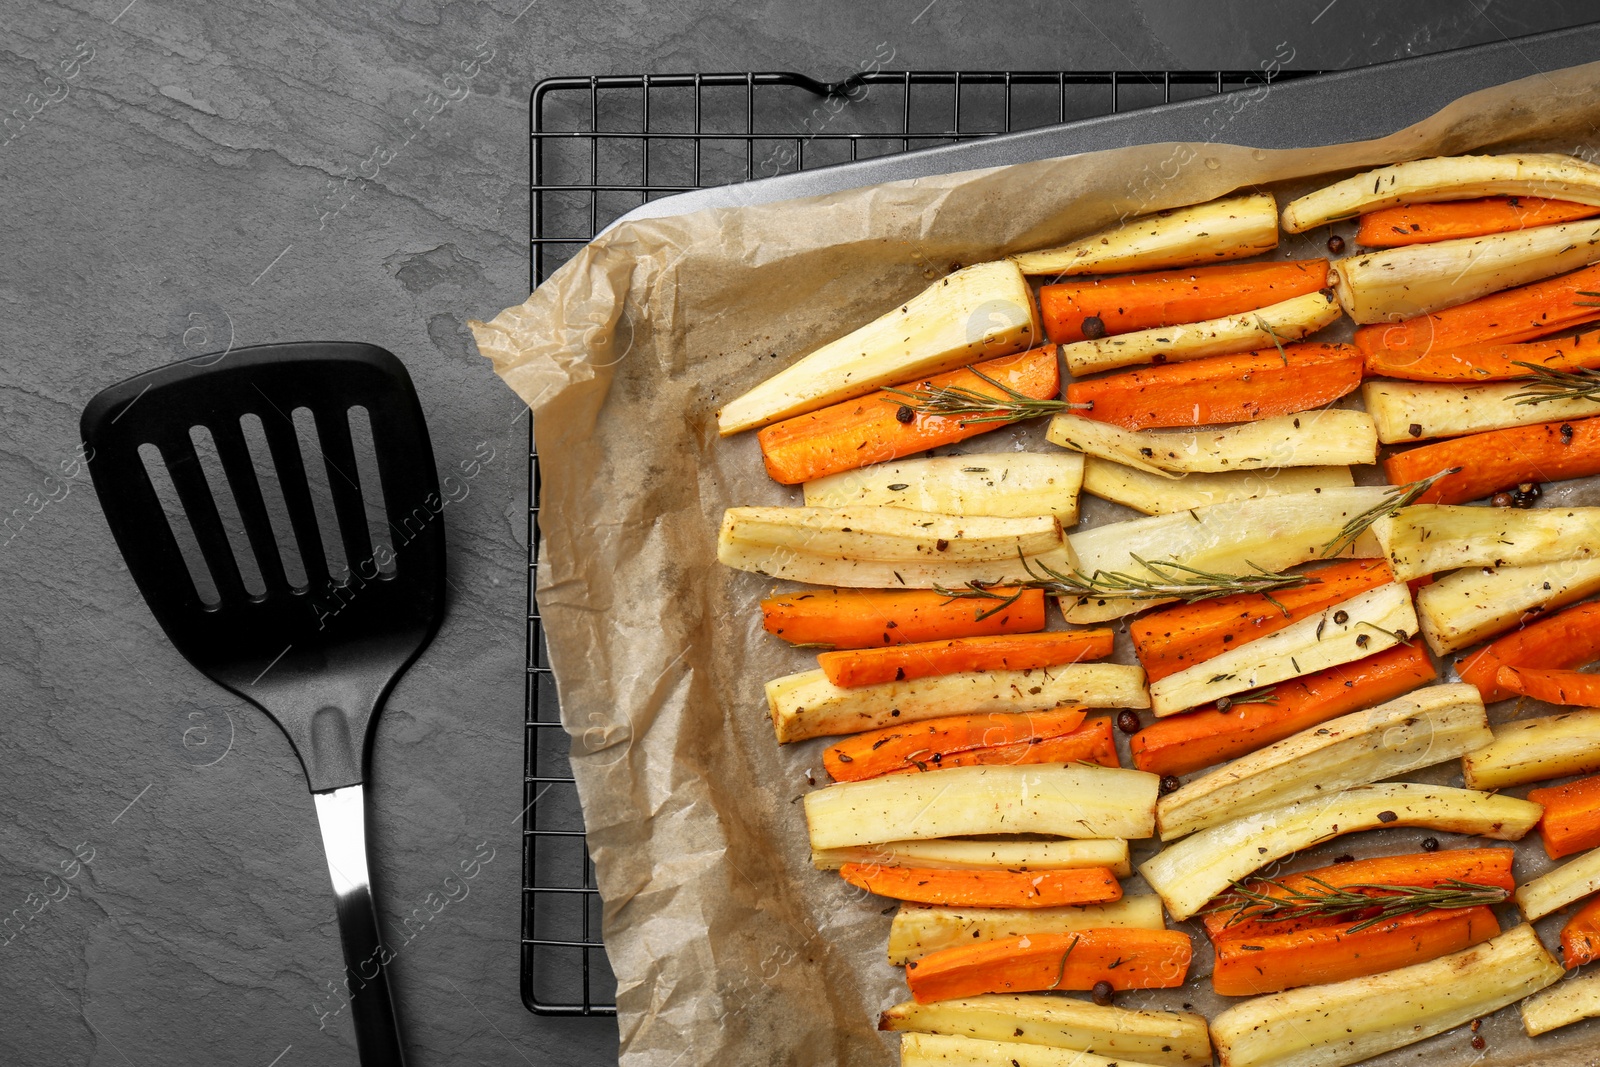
(1399, 497)
(1326, 901)
(959, 400)
(1163, 580)
(1551, 384)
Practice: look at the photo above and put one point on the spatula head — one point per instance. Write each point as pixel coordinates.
(319, 654)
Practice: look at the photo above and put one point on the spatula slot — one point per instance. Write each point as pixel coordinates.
(228, 510)
(255, 440)
(364, 444)
(316, 476)
(155, 468)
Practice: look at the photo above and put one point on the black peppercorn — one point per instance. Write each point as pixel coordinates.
(1094, 327)
(904, 413)
(1102, 993)
(1335, 245)
(1525, 494)
(1430, 844)
(1128, 722)
(1346, 858)
(1341, 617)
(1169, 784)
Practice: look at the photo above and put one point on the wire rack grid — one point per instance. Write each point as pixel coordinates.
(602, 145)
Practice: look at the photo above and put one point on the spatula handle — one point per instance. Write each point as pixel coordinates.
(342, 815)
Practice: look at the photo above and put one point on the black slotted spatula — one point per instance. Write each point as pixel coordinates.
(319, 658)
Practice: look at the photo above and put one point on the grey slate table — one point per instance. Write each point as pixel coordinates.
(176, 183)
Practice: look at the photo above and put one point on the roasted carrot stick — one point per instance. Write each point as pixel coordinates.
(1571, 819)
(869, 429)
(1552, 687)
(1499, 459)
(986, 888)
(1167, 298)
(1179, 744)
(1243, 388)
(1018, 652)
(1126, 957)
(1169, 640)
(1412, 224)
(873, 618)
(1569, 638)
(1521, 314)
(1333, 953)
(943, 742)
(1479, 866)
(1487, 362)
(1580, 938)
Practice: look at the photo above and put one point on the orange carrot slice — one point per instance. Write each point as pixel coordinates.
(1333, 953)
(1172, 639)
(1487, 362)
(1499, 459)
(1411, 224)
(1167, 298)
(869, 429)
(1125, 957)
(1552, 687)
(1568, 638)
(875, 618)
(986, 888)
(1188, 742)
(1002, 653)
(1580, 938)
(1521, 314)
(1571, 819)
(1480, 866)
(1242, 388)
(953, 741)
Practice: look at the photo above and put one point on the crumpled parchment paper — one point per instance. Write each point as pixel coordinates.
(729, 948)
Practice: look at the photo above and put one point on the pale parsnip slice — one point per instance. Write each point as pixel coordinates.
(1427, 727)
(807, 705)
(1468, 606)
(1008, 484)
(1188, 874)
(1157, 494)
(979, 312)
(1061, 799)
(1417, 411)
(1313, 438)
(1359, 1018)
(917, 931)
(886, 548)
(1271, 533)
(1427, 538)
(1168, 1038)
(1232, 228)
(1570, 882)
(1343, 633)
(1402, 283)
(939, 1050)
(985, 853)
(1562, 1004)
(1535, 750)
(1421, 181)
(1287, 320)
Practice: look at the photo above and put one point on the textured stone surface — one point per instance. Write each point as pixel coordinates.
(177, 182)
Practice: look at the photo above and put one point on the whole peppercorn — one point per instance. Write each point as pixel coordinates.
(1102, 993)
(1094, 327)
(1525, 494)
(1170, 784)
(1501, 500)
(1128, 722)
(1430, 844)
(1335, 245)
(1346, 858)
(904, 413)
(1478, 1041)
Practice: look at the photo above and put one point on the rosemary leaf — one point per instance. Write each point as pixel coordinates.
(948, 400)
(1162, 580)
(1551, 384)
(1399, 497)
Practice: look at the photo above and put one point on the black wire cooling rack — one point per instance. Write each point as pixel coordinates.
(603, 145)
